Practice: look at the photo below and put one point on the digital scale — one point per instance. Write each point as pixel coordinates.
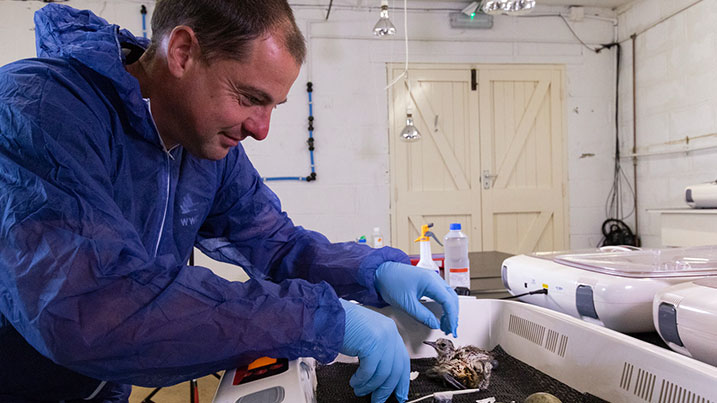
(586, 357)
(613, 286)
(685, 316)
(269, 380)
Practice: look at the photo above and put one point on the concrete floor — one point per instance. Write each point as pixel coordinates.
(178, 393)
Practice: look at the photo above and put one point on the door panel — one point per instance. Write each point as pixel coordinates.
(433, 179)
(521, 142)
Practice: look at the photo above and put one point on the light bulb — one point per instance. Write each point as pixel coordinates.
(509, 7)
(410, 133)
(384, 26)
(493, 7)
(520, 7)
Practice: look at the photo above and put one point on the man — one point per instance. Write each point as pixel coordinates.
(116, 161)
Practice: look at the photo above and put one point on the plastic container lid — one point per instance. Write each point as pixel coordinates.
(455, 226)
(707, 282)
(697, 261)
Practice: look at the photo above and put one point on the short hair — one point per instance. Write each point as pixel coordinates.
(225, 28)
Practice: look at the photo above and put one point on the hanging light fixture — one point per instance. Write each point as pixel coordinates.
(509, 7)
(410, 133)
(384, 26)
(521, 7)
(493, 7)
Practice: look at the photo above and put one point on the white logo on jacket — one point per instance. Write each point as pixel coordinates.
(187, 207)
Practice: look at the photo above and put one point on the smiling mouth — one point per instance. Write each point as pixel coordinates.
(240, 138)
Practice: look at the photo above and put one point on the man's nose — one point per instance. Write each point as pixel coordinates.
(257, 125)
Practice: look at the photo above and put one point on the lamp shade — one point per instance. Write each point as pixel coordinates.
(384, 26)
(410, 132)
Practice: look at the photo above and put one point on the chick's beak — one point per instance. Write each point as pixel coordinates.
(430, 343)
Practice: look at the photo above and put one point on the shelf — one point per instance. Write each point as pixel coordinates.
(683, 227)
(685, 210)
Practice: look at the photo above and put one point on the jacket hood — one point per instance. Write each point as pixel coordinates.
(64, 32)
(67, 33)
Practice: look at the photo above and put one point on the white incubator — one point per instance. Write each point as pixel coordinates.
(612, 286)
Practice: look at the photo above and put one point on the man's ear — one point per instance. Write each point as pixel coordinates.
(182, 50)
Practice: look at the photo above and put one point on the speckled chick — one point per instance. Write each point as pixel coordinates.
(466, 367)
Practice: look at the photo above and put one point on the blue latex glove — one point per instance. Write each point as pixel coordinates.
(403, 285)
(384, 364)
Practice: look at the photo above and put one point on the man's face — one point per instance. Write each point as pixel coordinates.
(226, 101)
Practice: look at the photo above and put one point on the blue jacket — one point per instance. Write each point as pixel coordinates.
(98, 221)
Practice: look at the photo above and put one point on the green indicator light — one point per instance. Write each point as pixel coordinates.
(473, 15)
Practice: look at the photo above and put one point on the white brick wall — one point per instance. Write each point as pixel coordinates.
(676, 97)
(348, 60)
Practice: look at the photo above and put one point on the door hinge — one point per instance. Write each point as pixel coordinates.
(474, 82)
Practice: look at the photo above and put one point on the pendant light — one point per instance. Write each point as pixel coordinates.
(410, 133)
(492, 7)
(509, 7)
(384, 26)
(521, 7)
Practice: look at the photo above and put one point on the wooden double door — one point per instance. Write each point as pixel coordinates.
(491, 156)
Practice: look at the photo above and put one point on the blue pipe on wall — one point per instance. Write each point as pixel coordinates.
(285, 178)
(310, 142)
(143, 11)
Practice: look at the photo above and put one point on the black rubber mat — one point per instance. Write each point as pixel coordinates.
(513, 380)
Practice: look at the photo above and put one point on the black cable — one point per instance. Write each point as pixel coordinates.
(615, 196)
(607, 46)
(616, 232)
(328, 12)
(534, 292)
(614, 229)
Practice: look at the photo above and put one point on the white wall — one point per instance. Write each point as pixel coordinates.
(348, 68)
(348, 71)
(676, 81)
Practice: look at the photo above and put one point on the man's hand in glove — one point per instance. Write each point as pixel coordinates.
(403, 285)
(384, 365)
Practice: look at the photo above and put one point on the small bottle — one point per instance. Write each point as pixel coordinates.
(457, 266)
(377, 238)
(361, 240)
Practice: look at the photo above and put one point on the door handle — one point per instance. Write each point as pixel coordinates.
(488, 179)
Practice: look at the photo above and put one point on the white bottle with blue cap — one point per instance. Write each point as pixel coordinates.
(456, 264)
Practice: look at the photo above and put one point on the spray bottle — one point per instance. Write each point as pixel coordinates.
(426, 260)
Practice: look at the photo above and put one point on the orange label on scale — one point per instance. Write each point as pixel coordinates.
(261, 362)
(259, 369)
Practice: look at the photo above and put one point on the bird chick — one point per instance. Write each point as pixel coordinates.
(465, 367)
